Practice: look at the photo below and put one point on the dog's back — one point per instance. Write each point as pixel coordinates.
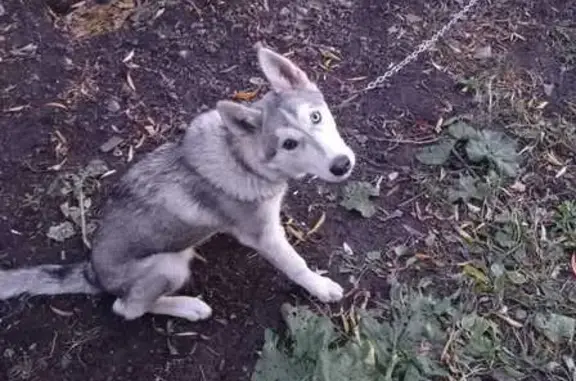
(227, 174)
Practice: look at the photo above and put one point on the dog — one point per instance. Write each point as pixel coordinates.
(228, 174)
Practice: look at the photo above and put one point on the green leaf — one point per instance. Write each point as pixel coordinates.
(497, 148)
(505, 239)
(357, 196)
(275, 364)
(555, 327)
(310, 333)
(382, 348)
(436, 154)
(516, 277)
(462, 131)
(467, 188)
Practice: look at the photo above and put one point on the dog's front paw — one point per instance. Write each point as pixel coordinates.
(326, 289)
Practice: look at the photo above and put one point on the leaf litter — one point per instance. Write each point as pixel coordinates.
(79, 187)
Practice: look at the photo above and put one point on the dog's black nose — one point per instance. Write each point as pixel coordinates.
(340, 166)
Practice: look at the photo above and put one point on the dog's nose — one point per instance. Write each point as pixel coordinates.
(340, 165)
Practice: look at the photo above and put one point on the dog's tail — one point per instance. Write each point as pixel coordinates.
(47, 280)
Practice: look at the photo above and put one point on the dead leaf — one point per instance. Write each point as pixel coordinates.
(317, 225)
(129, 56)
(561, 172)
(57, 105)
(111, 143)
(60, 312)
(61, 232)
(130, 155)
(130, 82)
(245, 95)
(16, 108)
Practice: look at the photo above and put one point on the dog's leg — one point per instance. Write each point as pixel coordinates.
(273, 245)
(154, 279)
(185, 307)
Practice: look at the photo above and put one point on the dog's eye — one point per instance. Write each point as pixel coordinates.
(289, 144)
(315, 117)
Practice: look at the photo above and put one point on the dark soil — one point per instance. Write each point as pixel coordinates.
(190, 55)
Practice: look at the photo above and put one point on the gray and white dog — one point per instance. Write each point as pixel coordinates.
(228, 174)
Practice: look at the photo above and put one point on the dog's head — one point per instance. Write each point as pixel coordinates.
(296, 130)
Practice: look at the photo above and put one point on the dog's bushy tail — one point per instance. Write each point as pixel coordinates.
(47, 280)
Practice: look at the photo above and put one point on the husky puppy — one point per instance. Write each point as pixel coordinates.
(227, 174)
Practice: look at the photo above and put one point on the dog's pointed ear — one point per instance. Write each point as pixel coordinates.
(240, 119)
(282, 73)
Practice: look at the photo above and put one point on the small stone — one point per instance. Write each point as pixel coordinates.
(111, 143)
(9, 353)
(184, 53)
(521, 314)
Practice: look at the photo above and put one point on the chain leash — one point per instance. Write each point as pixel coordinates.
(426, 45)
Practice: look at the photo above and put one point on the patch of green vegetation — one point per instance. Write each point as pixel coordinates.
(413, 337)
(564, 223)
(494, 148)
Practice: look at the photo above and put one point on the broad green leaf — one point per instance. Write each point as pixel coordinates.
(555, 327)
(436, 154)
(505, 239)
(467, 188)
(275, 364)
(310, 333)
(497, 148)
(478, 275)
(358, 196)
(462, 131)
(516, 277)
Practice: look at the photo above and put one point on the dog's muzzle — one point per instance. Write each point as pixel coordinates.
(340, 166)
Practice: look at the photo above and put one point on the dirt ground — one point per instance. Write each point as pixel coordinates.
(65, 91)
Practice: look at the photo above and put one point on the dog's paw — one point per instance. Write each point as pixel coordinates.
(326, 289)
(195, 309)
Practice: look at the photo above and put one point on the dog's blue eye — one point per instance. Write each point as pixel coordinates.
(289, 144)
(315, 117)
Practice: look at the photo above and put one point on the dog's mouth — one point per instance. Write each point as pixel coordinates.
(330, 178)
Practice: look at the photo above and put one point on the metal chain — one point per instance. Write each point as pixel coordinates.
(426, 45)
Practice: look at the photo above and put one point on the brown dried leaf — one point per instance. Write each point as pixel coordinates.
(16, 108)
(245, 95)
(130, 82)
(60, 312)
(57, 105)
(129, 56)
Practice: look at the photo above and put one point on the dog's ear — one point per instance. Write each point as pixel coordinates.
(240, 119)
(282, 73)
